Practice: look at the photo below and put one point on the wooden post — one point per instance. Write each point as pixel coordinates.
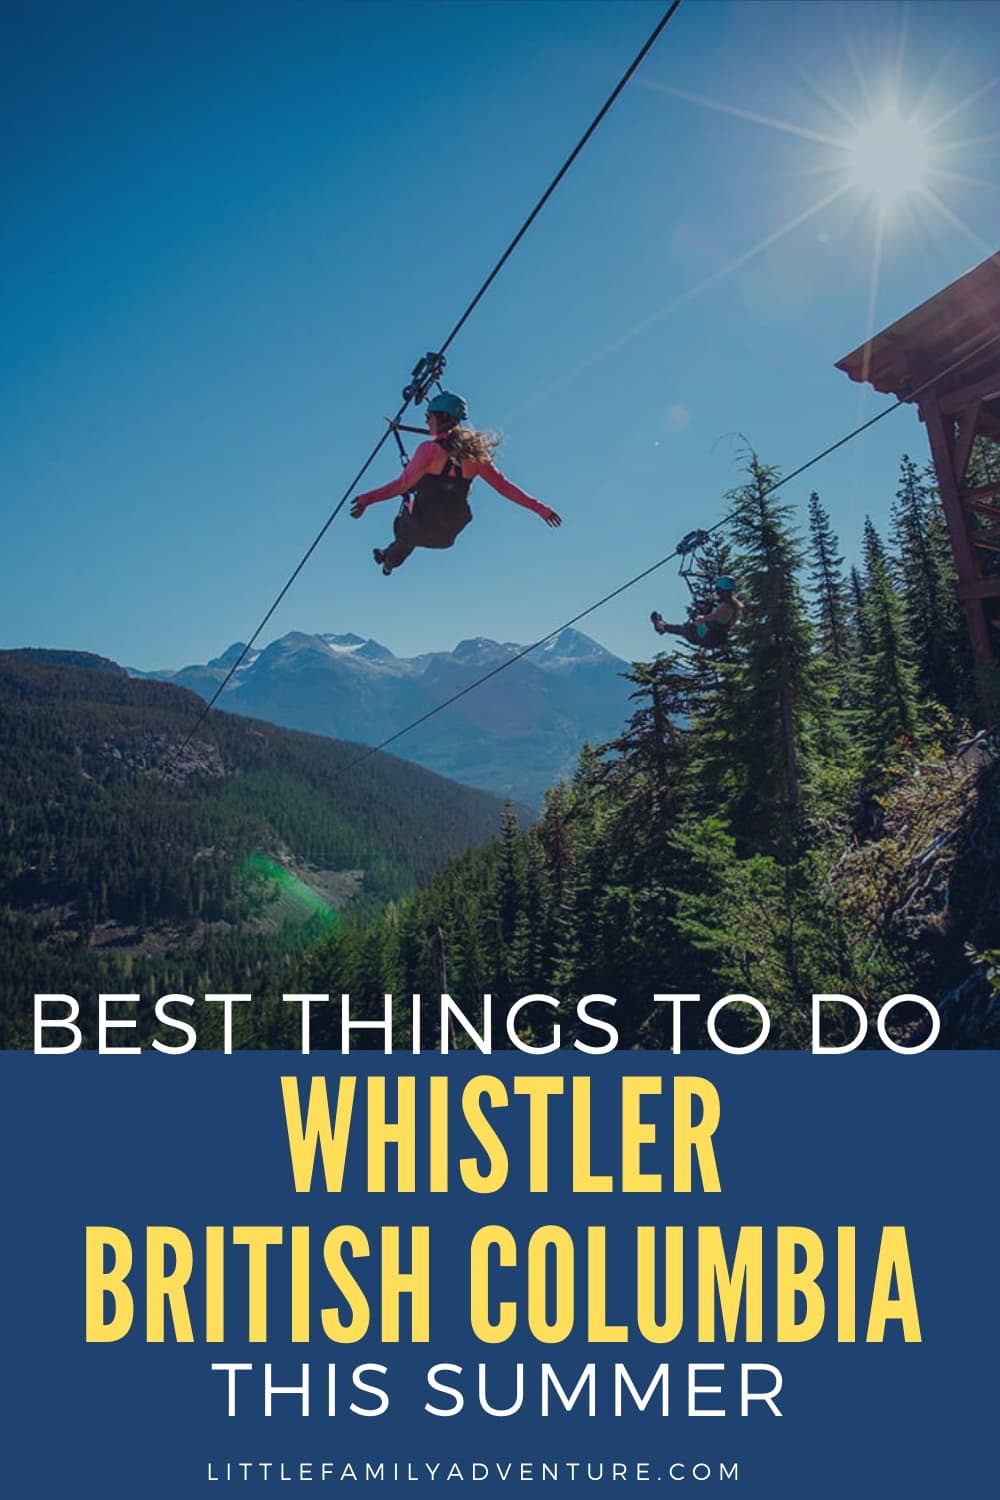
(949, 455)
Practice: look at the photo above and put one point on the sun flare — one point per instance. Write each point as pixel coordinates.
(888, 158)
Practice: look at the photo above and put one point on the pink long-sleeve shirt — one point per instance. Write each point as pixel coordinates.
(431, 458)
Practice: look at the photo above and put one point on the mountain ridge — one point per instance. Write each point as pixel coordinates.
(518, 734)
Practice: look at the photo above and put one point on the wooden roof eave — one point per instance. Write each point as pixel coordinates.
(937, 334)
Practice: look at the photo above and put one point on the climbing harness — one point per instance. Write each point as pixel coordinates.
(698, 631)
(442, 497)
(406, 503)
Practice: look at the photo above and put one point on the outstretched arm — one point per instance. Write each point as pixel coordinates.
(415, 469)
(509, 491)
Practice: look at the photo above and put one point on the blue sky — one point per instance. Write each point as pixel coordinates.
(232, 226)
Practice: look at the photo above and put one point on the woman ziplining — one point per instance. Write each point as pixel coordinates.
(436, 484)
(713, 626)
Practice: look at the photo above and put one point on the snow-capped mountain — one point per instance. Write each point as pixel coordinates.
(516, 735)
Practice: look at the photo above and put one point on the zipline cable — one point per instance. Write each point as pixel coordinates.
(622, 588)
(462, 320)
(571, 158)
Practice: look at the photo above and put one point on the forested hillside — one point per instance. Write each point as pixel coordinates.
(131, 860)
(799, 811)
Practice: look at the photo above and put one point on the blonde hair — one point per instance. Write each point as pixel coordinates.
(467, 442)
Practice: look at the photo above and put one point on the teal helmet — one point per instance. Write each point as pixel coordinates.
(725, 584)
(447, 404)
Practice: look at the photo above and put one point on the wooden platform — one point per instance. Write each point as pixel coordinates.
(945, 356)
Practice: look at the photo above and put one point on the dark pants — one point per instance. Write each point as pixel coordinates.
(697, 635)
(410, 533)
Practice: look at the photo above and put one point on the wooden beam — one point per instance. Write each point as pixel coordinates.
(989, 538)
(940, 432)
(953, 398)
(984, 492)
(982, 509)
(979, 588)
(968, 425)
(941, 436)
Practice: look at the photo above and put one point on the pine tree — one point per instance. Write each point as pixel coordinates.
(579, 956)
(956, 627)
(832, 602)
(774, 690)
(887, 679)
(554, 834)
(861, 636)
(651, 749)
(924, 567)
(831, 614)
(511, 882)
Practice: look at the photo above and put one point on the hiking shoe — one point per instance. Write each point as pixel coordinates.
(659, 624)
(379, 557)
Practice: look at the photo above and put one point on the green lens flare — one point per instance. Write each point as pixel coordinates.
(295, 900)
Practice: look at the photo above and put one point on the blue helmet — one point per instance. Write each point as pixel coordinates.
(725, 584)
(449, 405)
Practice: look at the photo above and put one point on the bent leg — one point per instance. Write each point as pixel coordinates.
(411, 533)
(663, 627)
(407, 536)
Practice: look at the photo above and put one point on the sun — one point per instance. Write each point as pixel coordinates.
(882, 156)
(888, 158)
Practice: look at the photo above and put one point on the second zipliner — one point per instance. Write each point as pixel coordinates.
(711, 627)
(709, 621)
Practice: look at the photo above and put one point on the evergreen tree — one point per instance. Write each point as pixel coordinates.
(774, 692)
(924, 567)
(832, 600)
(511, 876)
(651, 750)
(831, 613)
(554, 834)
(862, 641)
(512, 915)
(887, 679)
